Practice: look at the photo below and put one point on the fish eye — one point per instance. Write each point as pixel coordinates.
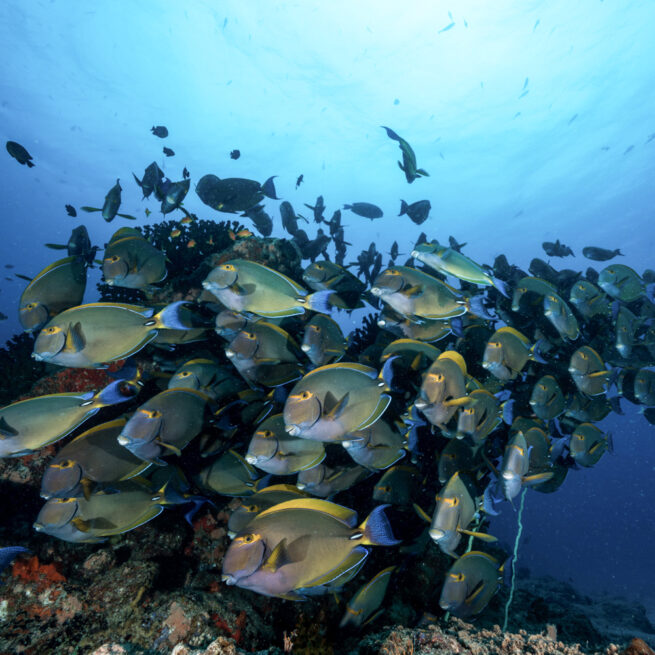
(267, 434)
(249, 538)
(228, 267)
(151, 413)
(66, 464)
(52, 330)
(305, 395)
(184, 374)
(315, 328)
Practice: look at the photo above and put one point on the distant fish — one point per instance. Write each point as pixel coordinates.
(365, 209)
(572, 118)
(168, 152)
(536, 25)
(235, 154)
(600, 254)
(448, 27)
(19, 153)
(301, 177)
(525, 93)
(185, 173)
(628, 149)
(556, 249)
(70, 210)
(525, 84)
(160, 130)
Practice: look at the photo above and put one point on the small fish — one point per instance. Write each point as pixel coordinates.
(168, 152)
(365, 209)
(588, 443)
(235, 154)
(299, 180)
(191, 243)
(185, 173)
(112, 204)
(274, 451)
(600, 254)
(470, 584)
(556, 249)
(19, 153)
(164, 425)
(88, 462)
(318, 209)
(408, 166)
(448, 27)
(418, 211)
(453, 244)
(160, 130)
(363, 607)
(175, 233)
(70, 210)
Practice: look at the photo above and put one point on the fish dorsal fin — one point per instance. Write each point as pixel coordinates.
(343, 514)
(277, 558)
(75, 340)
(455, 357)
(332, 407)
(6, 430)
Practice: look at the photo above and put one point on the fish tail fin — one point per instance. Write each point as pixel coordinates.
(618, 252)
(536, 351)
(268, 188)
(610, 443)
(403, 207)
(29, 164)
(347, 206)
(118, 391)
(376, 529)
(319, 301)
(502, 287)
(390, 133)
(170, 317)
(386, 374)
(475, 305)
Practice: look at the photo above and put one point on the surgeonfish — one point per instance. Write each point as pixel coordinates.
(229, 475)
(626, 327)
(506, 353)
(325, 482)
(480, 417)
(515, 470)
(27, 425)
(87, 336)
(246, 286)
(561, 317)
(453, 515)
(443, 389)
(305, 545)
(90, 461)
(376, 447)
(258, 502)
(233, 194)
(365, 209)
(131, 261)
(528, 286)
(588, 371)
(56, 288)
(547, 400)
(470, 584)
(335, 400)
(104, 514)
(621, 282)
(644, 386)
(363, 607)
(417, 295)
(273, 450)
(398, 485)
(164, 425)
(588, 299)
(600, 254)
(323, 341)
(152, 179)
(451, 262)
(265, 354)
(588, 443)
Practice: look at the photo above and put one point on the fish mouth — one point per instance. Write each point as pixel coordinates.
(123, 440)
(376, 291)
(305, 348)
(293, 430)
(228, 579)
(436, 534)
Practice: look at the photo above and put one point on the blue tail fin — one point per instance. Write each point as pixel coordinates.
(377, 530)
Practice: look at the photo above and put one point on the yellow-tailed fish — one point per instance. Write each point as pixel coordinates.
(561, 317)
(547, 400)
(428, 330)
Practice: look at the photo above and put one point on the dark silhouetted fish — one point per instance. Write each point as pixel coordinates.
(19, 153)
(70, 210)
(160, 130)
(600, 254)
(417, 211)
(556, 249)
(235, 154)
(318, 209)
(365, 209)
(299, 180)
(169, 152)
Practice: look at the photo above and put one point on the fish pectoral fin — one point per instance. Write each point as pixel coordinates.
(243, 289)
(458, 402)
(413, 291)
(537, 478)
(400, 166)
(489, 538)
(6, 430)
(477, 590)
(171, 447)
(598, 374)
(422, 513)
(80, 524)
(87, 486)
(349, 566)
(333, 407)
(277, 558)
(75, 340)
(373, 617)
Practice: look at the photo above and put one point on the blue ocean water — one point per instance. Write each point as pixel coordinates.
(534, 120)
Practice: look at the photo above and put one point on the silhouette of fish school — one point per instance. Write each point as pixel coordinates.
(470, 384)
